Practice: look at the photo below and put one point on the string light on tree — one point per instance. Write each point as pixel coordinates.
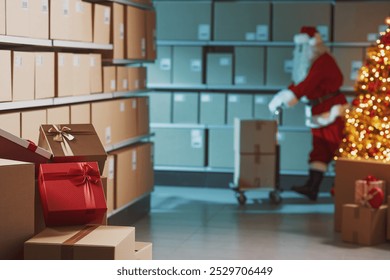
(367, 128)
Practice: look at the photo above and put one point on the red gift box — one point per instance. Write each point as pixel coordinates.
(71, 194)
(370, 192)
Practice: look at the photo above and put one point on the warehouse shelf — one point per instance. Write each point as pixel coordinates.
(81, 98)
(81, 45)
(120, 94)
(115, 211)
(25, 104)
(178, 125)
(126, 2)
(13, 40)
(108, 61)
(127, 142)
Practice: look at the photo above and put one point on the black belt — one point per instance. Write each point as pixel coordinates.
(315, 102)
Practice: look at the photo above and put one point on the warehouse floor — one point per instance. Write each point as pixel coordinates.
(206, 223)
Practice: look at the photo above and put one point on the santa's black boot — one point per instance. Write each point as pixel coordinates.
(311, 187)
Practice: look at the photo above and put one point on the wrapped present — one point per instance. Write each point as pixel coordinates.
(71, 194)
(370, 192)
(90, 242)
(363, 225)
(72, 143)
(16, 148)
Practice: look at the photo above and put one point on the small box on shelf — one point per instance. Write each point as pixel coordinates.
(23, 76)
(101, 24)
(44, 75)
(81, 74)
(109, 79)
(59, 114)
(117, 37)
(122, 82)
(10, 122)
(2, 17)
(135, 33)
(5, 75)
(64, 83)
(80, 113)
(151, 48)
(96, 73)
(30, 122)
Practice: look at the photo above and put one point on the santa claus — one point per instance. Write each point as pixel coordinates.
(316, 82)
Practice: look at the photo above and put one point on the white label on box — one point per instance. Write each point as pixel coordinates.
(260, 100)
(288, 66)
(250, 36)
(262, 33)
(25, 4)
(196, 65)
(122, 107)
(76, 60)
(125, 83)
(39, 60)
(65, 7)
(179, 97)
(134, 159)
(240, 80)
(92, 61)
(324, 32)
(382, 28)
(136, 84)
(196, 139)
(107, 16)
(143, 47)
(111, 168)
(45, 6)
(18, 61)
(61, 59)
(224, 61)
(205, 98)
(79, 7)
(203, 32)
(108, 134)
(355, 68)
(372, 37)
(233, 98)
(165, 64)
(134, 103)
(113, 84)
(121, 31)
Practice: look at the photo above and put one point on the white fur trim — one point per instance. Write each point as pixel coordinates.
(327, 118)
(315, 40)
(301, 38)
(284, 98)
(319, 166)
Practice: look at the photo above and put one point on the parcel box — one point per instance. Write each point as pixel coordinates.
(150, 35)
(122, 81)
(117, 34)
(219, 69)
(160, 72)
(187, 65)
(239, 106)
(109, 79)
(72, 143)
(212, 108)
(143, 115)
(80, 113)
(30, 123)
(16, 206)
(185, 107)
(109, 173)
(278, 66)
(5, 76)
(2, 17)
(23, 76)
(95, 73)
(261, 110)
(350, 60)
(124, 119)
(249, 66)
(10, 122)
(44, 75)
(160, 107)
(135, 33)
(81, 74)
(101, 24)
(82, 22)
(59, 114)
(102, 119)
(82, 243)
(220, 147)
(64, 66)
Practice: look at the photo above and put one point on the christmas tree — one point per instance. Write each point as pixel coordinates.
(367, 126)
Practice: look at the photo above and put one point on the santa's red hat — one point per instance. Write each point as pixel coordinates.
(308, 34)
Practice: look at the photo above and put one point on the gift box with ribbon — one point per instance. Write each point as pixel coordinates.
(72, 143)
(370, 192)
(71, 194)
(16, 148)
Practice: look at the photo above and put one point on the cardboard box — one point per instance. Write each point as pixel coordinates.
(95, 73)
(80, 113)
(253, 171)
(44, 75)
(117, 38)
(219, 69)
(255, 136)
(363, 225)
(137, 78)
(279, 66)
(16, 207)
(126, 177)
(31, 121)
(2, 17)
(220, 147)
(81, 74)
(102, 120)
(350, 60)
(143, 251)
(135, 33)
(122, 82)
(151, 49)
(242, 21)
(124, 119)
(355, 30)
(64, 74)
(185, 107)
(294, 157)
(109, 173)
(109, 79)
(194, 18)
(56, 115)
(71, 193)
(5, 76)
(28, 19)
(294, 116)
(249, 66)
(101, 24)
(347, 172)
(142, 74)
(143, 115)
(289, 17)
(10, 122)
(82, 23)
(23, 76)
(187, 65)
(261, 110)
(85, 146)
(61, 18)
(160, 107)
(239, 106)
(212, 108)
(145, 172)
(362, 189)
(82, 243)
(160, 72)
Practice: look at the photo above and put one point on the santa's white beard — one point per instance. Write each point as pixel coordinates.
(301, 62)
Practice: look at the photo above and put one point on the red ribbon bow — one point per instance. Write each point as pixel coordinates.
(370, 178)
(31, 146)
